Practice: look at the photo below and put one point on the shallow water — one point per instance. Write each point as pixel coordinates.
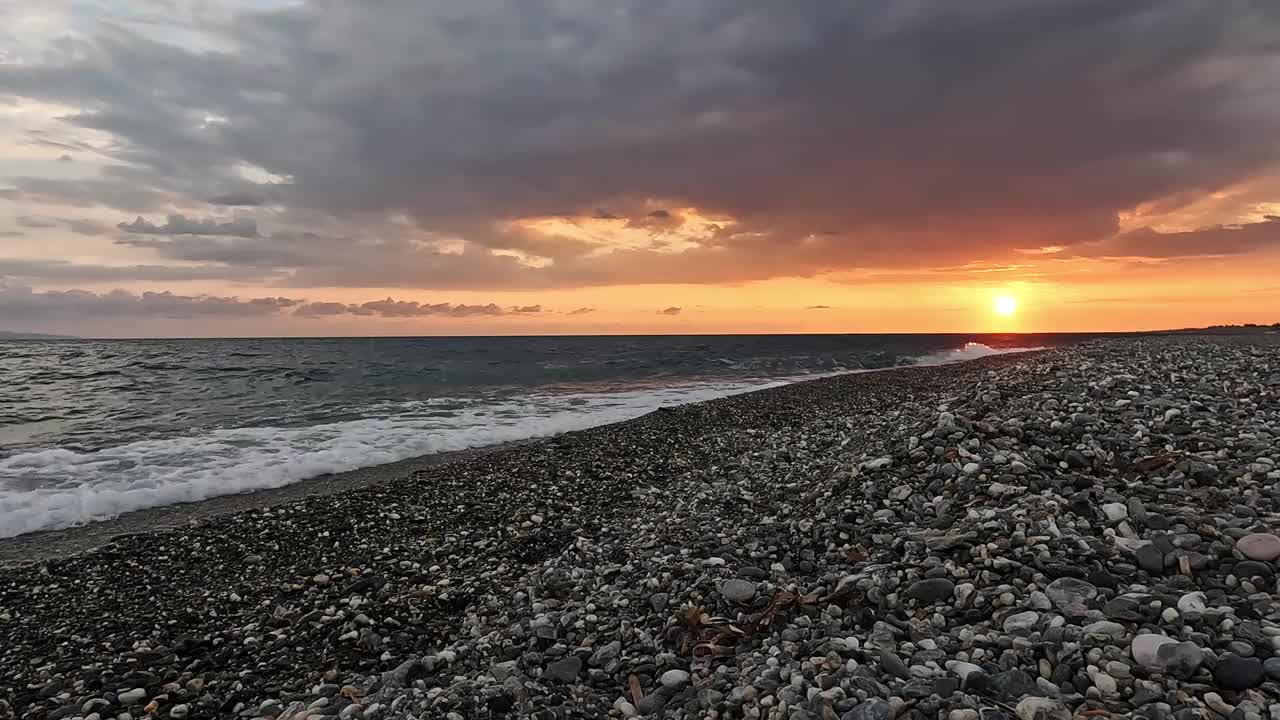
(92, 429)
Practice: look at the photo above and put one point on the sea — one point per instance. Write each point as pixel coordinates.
(91, 429)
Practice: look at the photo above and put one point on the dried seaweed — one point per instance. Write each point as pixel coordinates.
(720, 636)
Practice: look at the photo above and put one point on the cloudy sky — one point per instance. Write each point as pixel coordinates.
(262, 167)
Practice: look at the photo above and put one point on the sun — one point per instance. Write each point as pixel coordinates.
(1006, 305)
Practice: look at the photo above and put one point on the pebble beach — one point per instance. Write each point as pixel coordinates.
(1082, 532)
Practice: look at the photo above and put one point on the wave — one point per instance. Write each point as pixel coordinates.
(969, 351)
(58, 488)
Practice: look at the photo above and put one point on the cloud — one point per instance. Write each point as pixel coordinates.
(29, 221)
(324, 309)
(26, 304)
(21, 302)
(79, 226)
(237, 199)
(527, 309)
(582, 311)
(390, 308)
(12, 234)
(89, 228)
(818, 307)
(833, 136)
(1204, 242)
(181, 225)
(107, 191)
(33, 270)
(65, 158)
(670, 311)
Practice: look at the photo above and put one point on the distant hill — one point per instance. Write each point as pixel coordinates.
(1246, 329)
(6, 335)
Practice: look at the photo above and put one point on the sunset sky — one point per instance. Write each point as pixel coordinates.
(271, 167)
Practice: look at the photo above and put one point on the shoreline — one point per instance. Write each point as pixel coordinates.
(50, 544)
(63, 542)
(1019, 531)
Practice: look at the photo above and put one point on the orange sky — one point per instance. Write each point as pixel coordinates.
(690, 168)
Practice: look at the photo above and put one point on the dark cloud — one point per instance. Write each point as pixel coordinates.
(65, 158)
(182, 225)
(818, 307)
(527, 309)
(324, 309)
(835, 134)
(23, 302)
(660, 214)
(582, 311)
(12, 234)
(670, 311)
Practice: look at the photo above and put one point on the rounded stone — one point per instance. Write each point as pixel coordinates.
(1146, 649)
(1035, 708)
(739, 591)
(1259, 546)
(873, 709)
(931, 590)
(1071, 596)
(131, 697)
(1113, 630)
(1021, 622)
(1181, 659)
(1238, 673)
(674, 679)
(1115, 512)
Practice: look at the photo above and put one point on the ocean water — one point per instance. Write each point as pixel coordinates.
(90, 429)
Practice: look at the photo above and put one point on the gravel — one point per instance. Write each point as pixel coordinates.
(1068, 533)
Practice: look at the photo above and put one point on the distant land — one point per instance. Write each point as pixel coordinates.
(7, 335)
(1246, 329)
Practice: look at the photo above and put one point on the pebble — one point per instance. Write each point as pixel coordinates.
(674, 679)
(131, 697)
(1034, 708)
(931, 590)
(1151, 559)
(564, 670)
(739, 591)
(873, 709)
(1264, 547)
(1146, 649)
(1022, 622)
(1071, 596)
(1029, 535)
(1238, 673)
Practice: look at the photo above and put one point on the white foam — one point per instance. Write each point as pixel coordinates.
(58, 488)
(970, 351)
